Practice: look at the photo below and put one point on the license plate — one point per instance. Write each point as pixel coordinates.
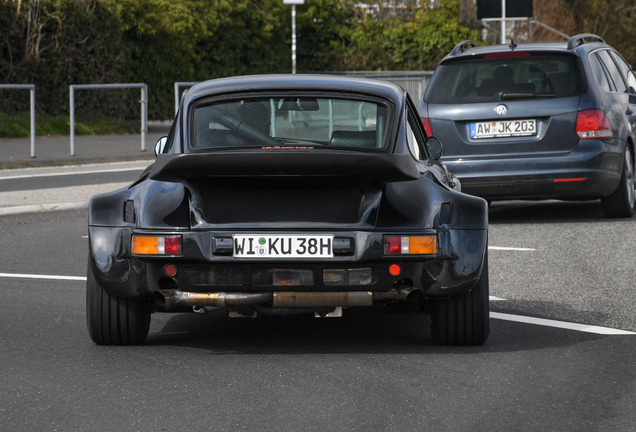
(283, 246)
(501, 129)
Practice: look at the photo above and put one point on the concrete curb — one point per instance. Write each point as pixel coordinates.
(39, 208)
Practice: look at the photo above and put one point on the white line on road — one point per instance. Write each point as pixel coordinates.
(75, 170)
(59, 174)
(495, 315)
(509, 248)
(32, 276)
(560, 324)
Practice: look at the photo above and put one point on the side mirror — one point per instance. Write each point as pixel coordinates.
(434, 147)
(161, 145)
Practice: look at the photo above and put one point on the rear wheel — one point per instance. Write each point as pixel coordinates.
(463, 320)
(114, 320)
(620, 204)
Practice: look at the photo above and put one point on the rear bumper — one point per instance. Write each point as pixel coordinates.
(453, 271)
(591, 171)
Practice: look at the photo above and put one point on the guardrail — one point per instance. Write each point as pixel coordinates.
(143, 101)
(30, 87)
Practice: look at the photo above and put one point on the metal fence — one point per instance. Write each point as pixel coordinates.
(414, 82)
(30, 87)
(177, 95)
(143, 101)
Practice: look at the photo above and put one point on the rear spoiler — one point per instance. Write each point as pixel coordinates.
(386, 167)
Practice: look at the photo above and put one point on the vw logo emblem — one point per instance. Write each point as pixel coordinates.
(501, 110)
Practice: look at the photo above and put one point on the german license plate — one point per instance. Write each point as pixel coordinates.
(501, 129)
(283, 246)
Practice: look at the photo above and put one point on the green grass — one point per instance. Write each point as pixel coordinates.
(19, 125)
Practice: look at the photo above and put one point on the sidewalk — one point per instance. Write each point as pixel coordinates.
(31, 200)
(51, 151)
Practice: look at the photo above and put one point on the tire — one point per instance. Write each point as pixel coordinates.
(114, 320)
(463, 320)
(620, 204)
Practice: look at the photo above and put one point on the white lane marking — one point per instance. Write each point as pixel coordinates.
(32, 276)
(139, 165)
(506, 317)
(59, 174)
(560, 324)
(36, 208)
(509, 248)
(493, 298)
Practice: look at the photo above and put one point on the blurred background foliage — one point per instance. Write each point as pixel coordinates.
(55, 43)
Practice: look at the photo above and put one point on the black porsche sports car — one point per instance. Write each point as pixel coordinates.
(288, 194)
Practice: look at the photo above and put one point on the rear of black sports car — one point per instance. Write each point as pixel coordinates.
(298, 196)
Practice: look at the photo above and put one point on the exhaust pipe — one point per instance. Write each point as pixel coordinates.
(409, 293)
(171, 298)
(404, 293)
(175, 298)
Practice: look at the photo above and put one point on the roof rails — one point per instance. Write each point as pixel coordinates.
(580, 40)
(459, 48)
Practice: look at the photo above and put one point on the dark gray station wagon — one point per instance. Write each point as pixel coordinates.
(537, 121)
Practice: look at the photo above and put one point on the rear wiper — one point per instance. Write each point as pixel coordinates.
(504, 96)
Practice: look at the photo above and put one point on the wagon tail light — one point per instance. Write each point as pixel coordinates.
(156, 245)
(410, 245)
(427, 127)
(593, 124)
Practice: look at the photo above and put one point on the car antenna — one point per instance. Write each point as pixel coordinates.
(512, 45)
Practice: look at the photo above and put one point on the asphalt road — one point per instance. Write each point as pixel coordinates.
(366, 371)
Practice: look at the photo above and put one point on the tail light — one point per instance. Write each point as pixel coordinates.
(593, 124)
(156, 245)
(427, 127)
(410, 245)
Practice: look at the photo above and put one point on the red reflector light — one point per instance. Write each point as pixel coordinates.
(393, 245)
(593, 124)
(570, 180)
(395, 269)
(427, 127)
(509, 54)
(170, 270)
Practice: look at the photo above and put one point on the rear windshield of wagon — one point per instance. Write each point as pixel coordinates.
(290, 121)
(484, 79)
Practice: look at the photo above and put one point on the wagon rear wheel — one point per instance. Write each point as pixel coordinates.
(463, 320)
(114, 320)
(620, 204)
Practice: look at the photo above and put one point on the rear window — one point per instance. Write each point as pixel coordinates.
(482, 80)
(290, 121)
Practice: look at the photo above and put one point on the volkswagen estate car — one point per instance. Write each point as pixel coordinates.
(290, 194)
(537, 121)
